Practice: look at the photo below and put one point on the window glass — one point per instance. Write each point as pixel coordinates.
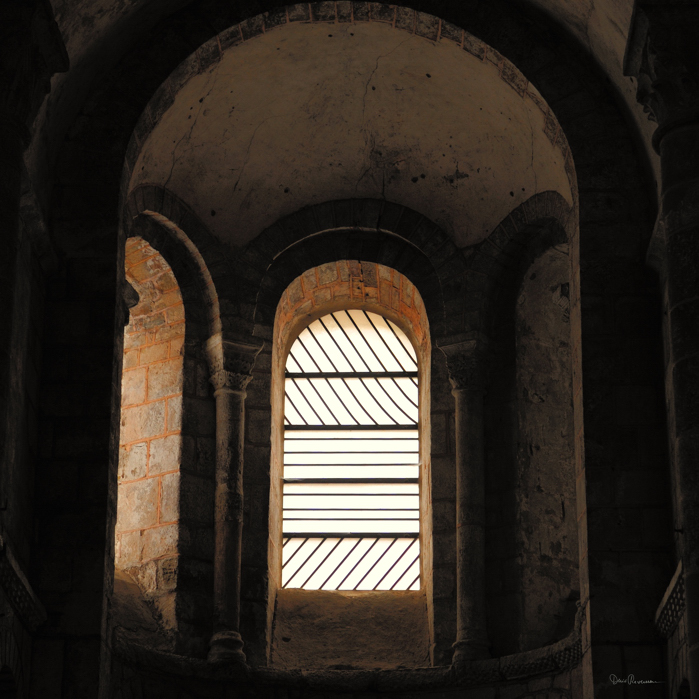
(351, 517)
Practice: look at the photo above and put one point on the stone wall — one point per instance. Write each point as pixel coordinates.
(148, 509)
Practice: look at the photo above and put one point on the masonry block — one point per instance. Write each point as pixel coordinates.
(133, 461)
(137, 505)
(142, 421)
(165, 454)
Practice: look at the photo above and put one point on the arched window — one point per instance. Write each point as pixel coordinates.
(350, 516)
(351, 501)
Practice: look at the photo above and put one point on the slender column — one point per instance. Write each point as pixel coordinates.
(467, 373)
(231, 367)
(663, 54)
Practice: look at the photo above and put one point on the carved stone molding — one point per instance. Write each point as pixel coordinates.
(559, 657)
(18, 590)
(468, 362)
(671, 607)
(233, 381)
(662, 54)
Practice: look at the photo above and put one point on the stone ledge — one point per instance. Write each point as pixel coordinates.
(558, 657)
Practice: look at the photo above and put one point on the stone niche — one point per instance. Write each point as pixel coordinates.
(323, 629)
(532, 541)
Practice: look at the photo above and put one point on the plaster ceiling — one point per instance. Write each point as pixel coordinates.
(309, 113)
(97, 32)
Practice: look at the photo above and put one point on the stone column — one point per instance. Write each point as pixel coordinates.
(231, 364)
(663, 54)
(467, 373)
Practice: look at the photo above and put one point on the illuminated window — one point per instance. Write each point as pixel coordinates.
(351, 514)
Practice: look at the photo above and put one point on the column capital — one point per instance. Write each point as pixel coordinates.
(231, 362)
(468, 362)
(662, 53)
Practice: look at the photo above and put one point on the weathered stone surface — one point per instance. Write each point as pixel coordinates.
(142, 422)
(133, 461)
(165, 454)
(138, 505)
(170, 498)
(133, 387)
(164, 379)
(369, 630)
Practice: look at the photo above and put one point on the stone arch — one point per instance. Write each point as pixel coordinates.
(530, 336)
(178, 234)
(505, 28)
(150, 441)
(496, 266)
(182, 576)
(366, 229)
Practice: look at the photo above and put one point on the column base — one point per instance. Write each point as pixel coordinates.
(226, 647)
(474, 648)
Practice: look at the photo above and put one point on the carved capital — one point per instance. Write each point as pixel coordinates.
(232, 381)
(662, 54)
(231, 362)
(468, 363)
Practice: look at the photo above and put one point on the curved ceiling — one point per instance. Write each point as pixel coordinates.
(98, 32)
(309, 113)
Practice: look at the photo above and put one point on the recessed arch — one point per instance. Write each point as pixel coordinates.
(371, 230)
(388, 617)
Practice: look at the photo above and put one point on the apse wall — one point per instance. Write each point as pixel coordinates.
(463, 240)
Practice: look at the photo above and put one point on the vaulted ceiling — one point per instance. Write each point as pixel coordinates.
(100, 33)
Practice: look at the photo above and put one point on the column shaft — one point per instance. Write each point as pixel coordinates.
(471, 636)
(226, 644)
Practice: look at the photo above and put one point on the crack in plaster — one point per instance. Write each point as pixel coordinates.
(247, 152)
(187, 136)
(367, 136)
